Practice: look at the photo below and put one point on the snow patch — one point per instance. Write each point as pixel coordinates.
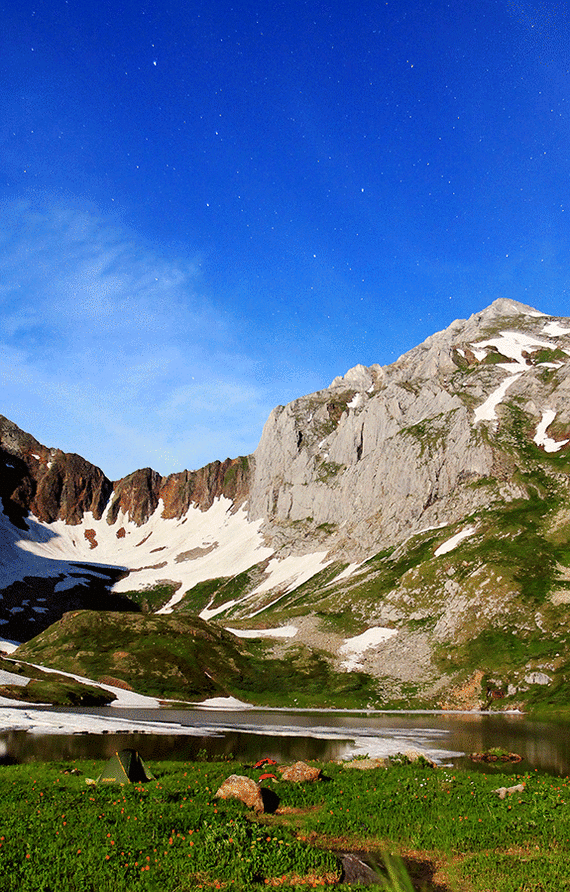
(288, 574)
(292, 571)
(452, 543)
(511, 344)
(49, 550)
(486, 411)
(348, 571)
(124, 698)
(541, 438)
(280, 632)
(356, 647)
(8, 646)
(224, 703)
(554, 328)
(11, 678)
(208, 613)
(356, 401)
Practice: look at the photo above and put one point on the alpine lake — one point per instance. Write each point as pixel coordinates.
(286, 735)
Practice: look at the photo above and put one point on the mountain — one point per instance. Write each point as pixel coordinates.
(409, 521)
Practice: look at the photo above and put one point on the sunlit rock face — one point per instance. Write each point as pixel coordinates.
(383, 452)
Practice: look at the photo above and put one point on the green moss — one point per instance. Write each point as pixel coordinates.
(493, 357)
(327, 528)
(548, 355)
(328, 470)
(64, 692)
(154, 597)
(431, 433)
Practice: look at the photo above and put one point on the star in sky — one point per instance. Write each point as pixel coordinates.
(210, 209)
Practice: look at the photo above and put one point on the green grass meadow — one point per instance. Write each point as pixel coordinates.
(450, 829)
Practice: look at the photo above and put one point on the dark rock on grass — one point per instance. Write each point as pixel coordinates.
(355, 870)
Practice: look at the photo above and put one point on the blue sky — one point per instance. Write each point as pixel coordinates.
(208, 209)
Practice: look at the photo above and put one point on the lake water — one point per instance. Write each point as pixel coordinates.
(251, 734)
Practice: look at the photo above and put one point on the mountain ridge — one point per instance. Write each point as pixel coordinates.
(395, 461)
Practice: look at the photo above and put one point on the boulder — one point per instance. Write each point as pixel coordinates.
(367, 764)
(300, 773)
(502, 791)
(237, 786)
(416, 755)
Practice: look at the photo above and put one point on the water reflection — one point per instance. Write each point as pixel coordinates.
(252, 734)
(19, 746)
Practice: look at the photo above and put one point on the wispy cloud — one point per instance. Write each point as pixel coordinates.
(111, 349)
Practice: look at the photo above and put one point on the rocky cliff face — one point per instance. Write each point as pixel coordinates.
(54, 485)
(384, 452)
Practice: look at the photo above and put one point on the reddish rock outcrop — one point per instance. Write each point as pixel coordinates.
(52, 484)
(56, 485)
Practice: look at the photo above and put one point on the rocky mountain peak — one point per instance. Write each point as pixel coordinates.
(363, 466)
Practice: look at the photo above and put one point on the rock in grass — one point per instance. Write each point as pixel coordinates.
(300, 773)
(355, 870)
(502, 791)
(237, 786)
(367, 764)
(416, 756)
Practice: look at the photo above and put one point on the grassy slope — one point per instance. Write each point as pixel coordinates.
(183, 657)
(453, 832)
(49, 687)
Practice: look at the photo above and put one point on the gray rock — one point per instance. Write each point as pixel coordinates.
(537, 678)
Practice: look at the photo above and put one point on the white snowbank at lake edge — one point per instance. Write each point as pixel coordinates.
(224, 703)
(354, 739)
